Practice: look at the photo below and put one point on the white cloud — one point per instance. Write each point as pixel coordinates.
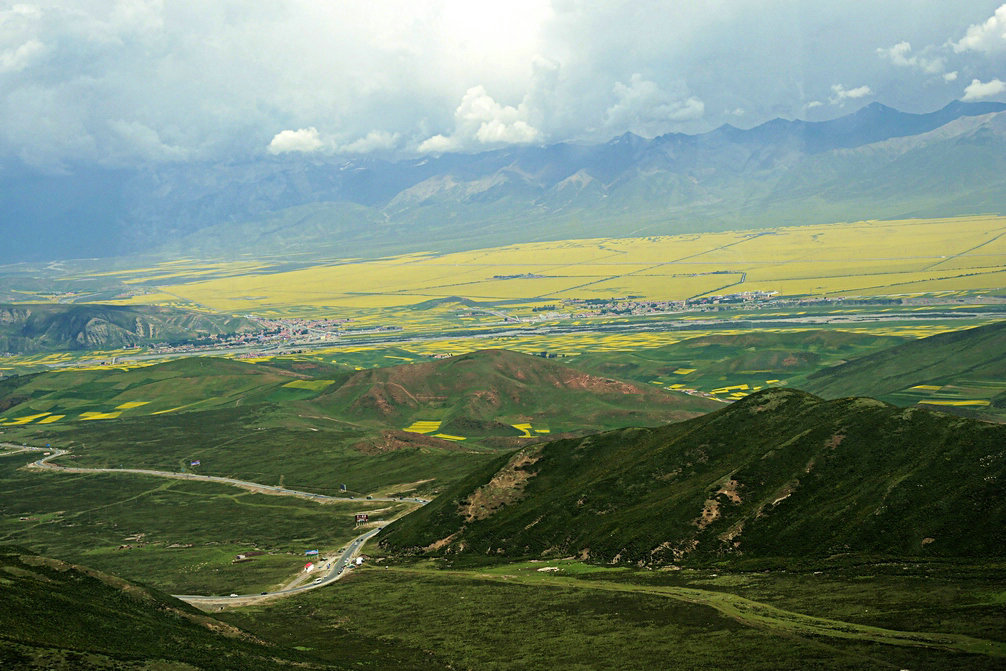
(813, 103)
(218, 80)
(901, 55)
(14, 60)
(988, 37)
(439, 144)
(480, 121)
(950, 76)
(644, 108)
(842, 94)
(305, 140)
(978, 90)
(375, 140)
(136, 137)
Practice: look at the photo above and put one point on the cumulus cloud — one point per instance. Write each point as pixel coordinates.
(13, 60)
(375, 140)
(841, 94)
(132, 81)
(814, 103)
(978, 90)
(950, 76)
(643, 107)
(480, 121)
(303, 140)
(988, 37)
(901, 55)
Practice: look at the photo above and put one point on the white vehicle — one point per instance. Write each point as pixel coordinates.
(316, 581)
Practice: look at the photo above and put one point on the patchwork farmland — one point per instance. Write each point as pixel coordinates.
(889, 257)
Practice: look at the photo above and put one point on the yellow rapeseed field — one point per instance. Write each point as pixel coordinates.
(423, 426)
(861, 258)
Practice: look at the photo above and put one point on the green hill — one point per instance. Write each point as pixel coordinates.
(176, 386)
(779, 474)
(715, 361)
(487, 393)
(45, 327)
(61, 616)
(954, 370)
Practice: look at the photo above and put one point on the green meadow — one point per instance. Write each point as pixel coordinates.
(516, 616)
(180, 537)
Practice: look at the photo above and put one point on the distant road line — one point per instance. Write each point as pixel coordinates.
(966, 251)
(257, 487)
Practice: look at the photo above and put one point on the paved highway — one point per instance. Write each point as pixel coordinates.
(329, 575)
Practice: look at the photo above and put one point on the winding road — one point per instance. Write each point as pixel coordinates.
(329, 575)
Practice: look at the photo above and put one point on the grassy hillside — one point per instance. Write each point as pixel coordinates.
(958, 369)
(184, 385)
(582, 617)
(315, 426)
(778, 474)
(718, 361)
(504, 394)
(61, 616)
(46, 327)
(269, 444)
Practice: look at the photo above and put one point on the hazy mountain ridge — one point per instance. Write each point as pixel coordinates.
(41, 327)
(673, 183)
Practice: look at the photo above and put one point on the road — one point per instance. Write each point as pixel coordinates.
(323, 578)
(244, 484)
(334, 572)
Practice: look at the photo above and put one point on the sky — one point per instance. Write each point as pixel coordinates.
(135, 82)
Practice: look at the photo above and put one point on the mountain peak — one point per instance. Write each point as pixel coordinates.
(628, 138)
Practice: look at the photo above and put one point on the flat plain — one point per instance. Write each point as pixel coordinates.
(868, 258)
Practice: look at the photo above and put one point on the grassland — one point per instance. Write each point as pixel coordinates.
(60, 616)
(780, 473)
(864, 258)
(263, 444)
(103, 392)
(728, 366)
(152, 417)
(957, 370)
(179, 536)
(516, 616)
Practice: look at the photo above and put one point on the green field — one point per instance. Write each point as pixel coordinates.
(180, 537)
(60, 616)
(514, 616)
(855, 552)
(731, 366)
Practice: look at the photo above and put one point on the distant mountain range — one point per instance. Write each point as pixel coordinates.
(877, 162)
